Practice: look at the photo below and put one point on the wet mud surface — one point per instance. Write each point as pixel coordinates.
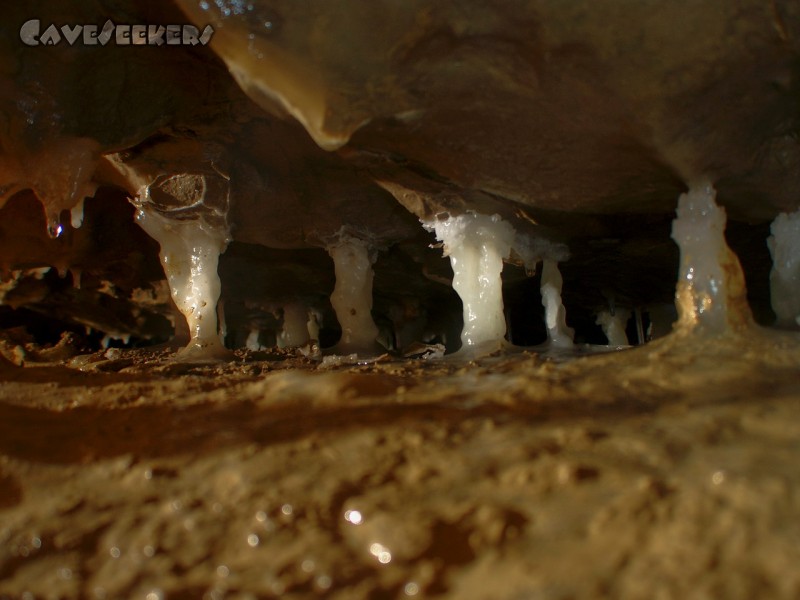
(662, 471)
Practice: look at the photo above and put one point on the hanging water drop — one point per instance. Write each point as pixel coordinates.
(54, 227)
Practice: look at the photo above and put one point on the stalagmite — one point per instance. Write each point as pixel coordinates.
(294, 331)
(252, 343)
(710, 296)
(477, 245)
(190, 253)
(312, 325)
(352, 296)
(614, 326)
(784, 245)
(558, 334)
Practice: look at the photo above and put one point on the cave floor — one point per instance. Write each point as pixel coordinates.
(663, 471)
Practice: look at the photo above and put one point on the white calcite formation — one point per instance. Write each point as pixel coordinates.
(532, 249)
(253, 341)
(614, 326)
(784, 245)
(477, 245)
(558, 334)
(313, 324)
(294, 329)
(76, 214)
(352, 295)
(190, 253)
(710, 296)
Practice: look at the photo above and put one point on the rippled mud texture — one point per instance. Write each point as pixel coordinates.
(655, 470)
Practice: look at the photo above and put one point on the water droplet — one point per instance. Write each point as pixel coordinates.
(54, 229)
(115, 552)
(287, 509)
(149, 551)
(381, 552)
(223, 571)
(252, 540)
(261, 516)
(353, 516)
(308, 565)
(411, 589)
(324, 582)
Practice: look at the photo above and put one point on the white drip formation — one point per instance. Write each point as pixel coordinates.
(710, 294)
(190, 253)
(613, 326)
(352, 296)
(555, 315)
(784, 246)
(294, 329)
(253, 341)
(312, 325)
(76, 214)
(477, 245)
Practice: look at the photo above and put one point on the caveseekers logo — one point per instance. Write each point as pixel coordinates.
(122, 35)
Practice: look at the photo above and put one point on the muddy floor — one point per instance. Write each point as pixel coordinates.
(665, 471)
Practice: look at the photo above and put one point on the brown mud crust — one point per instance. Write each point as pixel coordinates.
(667, 470)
